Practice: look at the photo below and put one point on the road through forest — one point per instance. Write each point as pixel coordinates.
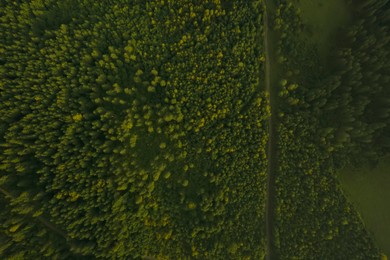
(271, 82)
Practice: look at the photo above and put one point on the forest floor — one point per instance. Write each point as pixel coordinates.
(271, 82)
(369, 190)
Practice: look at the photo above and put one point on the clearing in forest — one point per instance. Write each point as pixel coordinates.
(368, 189)
(323, 19)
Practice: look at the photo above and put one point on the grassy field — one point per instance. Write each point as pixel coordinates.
(323, 19)
(369, 190)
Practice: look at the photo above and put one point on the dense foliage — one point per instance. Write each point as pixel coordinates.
(134, 129)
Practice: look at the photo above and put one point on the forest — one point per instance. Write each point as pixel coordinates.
(186, 129)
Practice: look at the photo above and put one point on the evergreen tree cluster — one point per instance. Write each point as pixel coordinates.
(356, 104)
(132, 129)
